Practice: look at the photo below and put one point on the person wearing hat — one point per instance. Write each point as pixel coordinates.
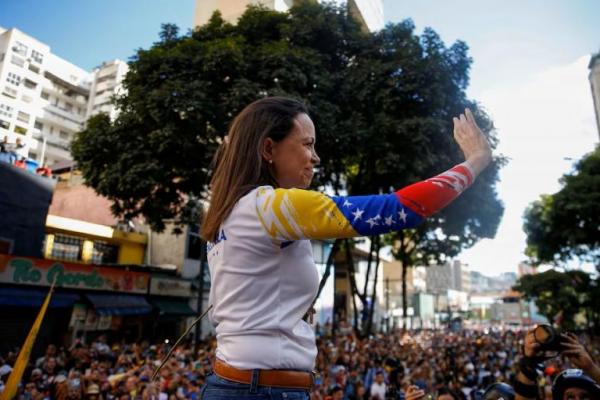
(573, 384)
(499, 391)
(525, 384)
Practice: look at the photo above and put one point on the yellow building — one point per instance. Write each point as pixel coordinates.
(81, 228)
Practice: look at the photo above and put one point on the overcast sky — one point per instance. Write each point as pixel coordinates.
(529, 72)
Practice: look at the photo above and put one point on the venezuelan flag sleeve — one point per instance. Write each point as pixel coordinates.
(293, 214)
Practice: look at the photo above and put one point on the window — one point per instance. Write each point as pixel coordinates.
(6, 110)
(104, 253)
(13, 78)
(18, 61)
(26, 98)
(33, 68)
(45, 95)
(20, 130)
(68, 107)
(9, 92)
(4, 124)
(38, 125)
(37, 56)
(33, 155)
(63, 134)
(66, 247)
(23, 117)
(20, 48)
(29, 84)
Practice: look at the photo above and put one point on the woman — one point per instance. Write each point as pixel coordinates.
(263, 277)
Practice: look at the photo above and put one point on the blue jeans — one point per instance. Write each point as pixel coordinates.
(217, 388)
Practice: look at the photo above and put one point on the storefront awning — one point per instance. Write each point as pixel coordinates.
(173, 307)
(35, 297)
(119, 304)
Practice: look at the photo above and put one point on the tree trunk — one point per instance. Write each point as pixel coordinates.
(352, 279)
(374, 297)
(369, 260)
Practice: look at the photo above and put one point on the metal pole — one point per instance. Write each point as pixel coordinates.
(387, 305)
(198, 333)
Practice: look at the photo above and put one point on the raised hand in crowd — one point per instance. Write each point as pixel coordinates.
(579, 356)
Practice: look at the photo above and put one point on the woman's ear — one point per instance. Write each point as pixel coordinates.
(268, 148)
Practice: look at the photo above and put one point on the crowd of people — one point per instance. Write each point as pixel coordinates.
(16, 154)
(426, 364)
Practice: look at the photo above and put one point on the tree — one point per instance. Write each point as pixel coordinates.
(382, 104)
(559, 294)
(154, 159)
(565, 225)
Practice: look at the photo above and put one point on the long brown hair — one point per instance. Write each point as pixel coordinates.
(239, 165)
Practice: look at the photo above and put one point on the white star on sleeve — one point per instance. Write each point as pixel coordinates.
(372, 222)
(390, 220)
(358, 214)
(347, 203)
(402, 215)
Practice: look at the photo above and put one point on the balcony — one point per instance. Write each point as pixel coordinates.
(59, 117)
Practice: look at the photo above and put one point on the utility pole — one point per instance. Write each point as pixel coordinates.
(203, 261)
(387, 305)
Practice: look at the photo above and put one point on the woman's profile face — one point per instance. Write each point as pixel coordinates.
(294, 157)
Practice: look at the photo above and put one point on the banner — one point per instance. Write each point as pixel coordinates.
(170, 287)
(39, 272)
(23, 358)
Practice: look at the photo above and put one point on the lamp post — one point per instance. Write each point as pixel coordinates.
(203, 261)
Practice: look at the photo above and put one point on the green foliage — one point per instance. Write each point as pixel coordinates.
(554, 292)
(382, 104)
(566, 225)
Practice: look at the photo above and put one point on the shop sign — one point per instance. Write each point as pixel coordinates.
(104, 322)
(91, 321)
(78, 315)
(170, 287)
(39, 272)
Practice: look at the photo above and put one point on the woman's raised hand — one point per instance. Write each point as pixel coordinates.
(472, 141)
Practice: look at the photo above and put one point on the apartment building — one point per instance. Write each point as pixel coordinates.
(107, 83)
(45, 100)
(454, 276)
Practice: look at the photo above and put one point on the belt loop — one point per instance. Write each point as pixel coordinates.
(254, 381)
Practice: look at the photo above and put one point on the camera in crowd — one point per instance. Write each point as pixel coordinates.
(548, 337)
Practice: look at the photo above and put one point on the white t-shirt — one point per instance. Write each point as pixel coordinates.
(260, 290)
(378, 390)
(263, 276)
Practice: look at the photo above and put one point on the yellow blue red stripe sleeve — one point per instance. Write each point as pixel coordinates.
(293, 214)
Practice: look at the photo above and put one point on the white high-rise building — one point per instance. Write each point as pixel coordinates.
(368, 12)
(108, 80)
(454, 276)
(43, 97)
(45, 100)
